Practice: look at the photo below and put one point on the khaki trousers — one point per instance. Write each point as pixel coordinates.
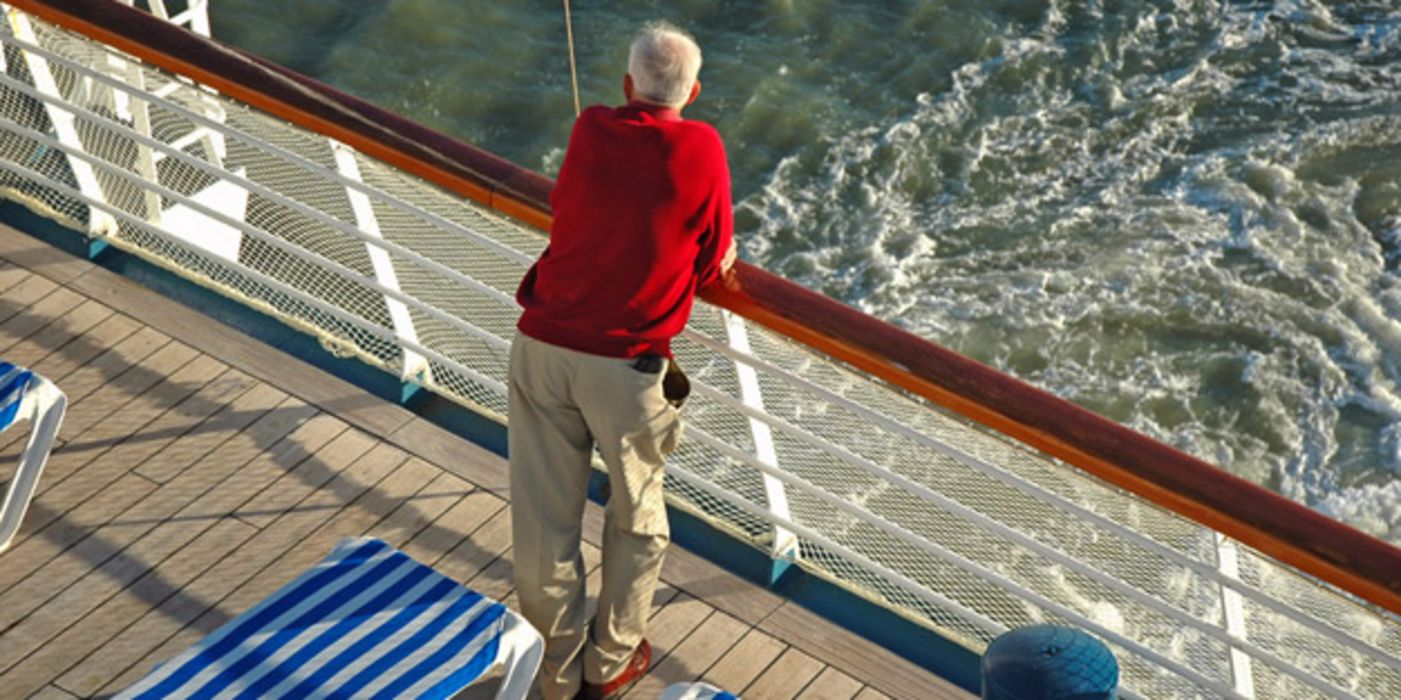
(562, 404)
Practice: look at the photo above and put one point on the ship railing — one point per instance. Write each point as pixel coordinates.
(955, 496)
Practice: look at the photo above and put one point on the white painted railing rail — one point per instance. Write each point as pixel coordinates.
(948, 524)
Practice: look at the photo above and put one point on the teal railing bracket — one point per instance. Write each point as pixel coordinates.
(97, 248)
(408, 392)
(779, 567)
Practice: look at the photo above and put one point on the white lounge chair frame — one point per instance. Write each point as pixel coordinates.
(43, 405)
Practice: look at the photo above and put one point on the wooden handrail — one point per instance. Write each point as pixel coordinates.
(1290, 532)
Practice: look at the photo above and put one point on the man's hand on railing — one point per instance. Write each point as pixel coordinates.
(728, 261)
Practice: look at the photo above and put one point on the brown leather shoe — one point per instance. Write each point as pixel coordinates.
(636, 669)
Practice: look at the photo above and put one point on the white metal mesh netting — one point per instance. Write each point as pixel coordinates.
(955, 527)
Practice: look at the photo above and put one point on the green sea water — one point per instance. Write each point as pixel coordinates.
(1183, 214)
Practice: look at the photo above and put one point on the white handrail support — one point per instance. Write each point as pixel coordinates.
(64, 123)
(415, 367)
(785, 543)
(195, 16)
(140, 111)
(1228, 561)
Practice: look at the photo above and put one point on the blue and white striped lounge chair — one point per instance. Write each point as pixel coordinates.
(366, 622)
(26, 395)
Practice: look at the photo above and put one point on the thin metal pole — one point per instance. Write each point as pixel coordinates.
(573, 68)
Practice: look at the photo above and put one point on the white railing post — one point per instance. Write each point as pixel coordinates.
(140, 112)
(100, 224)
(416, 368)
(1228, 561)
(196, 16)
(785, 543)
(158, 9)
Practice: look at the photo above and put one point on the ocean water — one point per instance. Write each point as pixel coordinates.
(1182, 214)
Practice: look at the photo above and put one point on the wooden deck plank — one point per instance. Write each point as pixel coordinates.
(236, 439)
(53, 693)
(125, 563)
(104, 623)
(391, 504)
(113, 452)
(57, 365)
(455, 524)
(19, 297)
(37, 256)
(290, 489)
(273, 556)
(10, 275)
(831, 684)
(42, 566)
(115, 411)
(466, 459)
(68, 528)
(136, 428)
(283, 439)
(497, 579)
(368, 492)
(243, 352)
(673, 623)
(112, 376)
(744, 661)
(869, 693)
(789, 674)
(55, 539)
(856, 655)
(224, 536)
(36, 317)
(130, 367)
(183, 500)
(482, 547)
(108, 373)
(128, 547)
(72, 324)
(83, 349)
(422, 501)
(718, 587)
(690, 659)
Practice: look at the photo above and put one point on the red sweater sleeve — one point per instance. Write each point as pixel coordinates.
(642, 218)
(720, 233)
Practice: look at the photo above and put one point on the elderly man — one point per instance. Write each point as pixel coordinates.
(641, 221)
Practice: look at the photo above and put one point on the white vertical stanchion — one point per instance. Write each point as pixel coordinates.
(64, 123)
(415, 367)
(785, 543)
(1228, 561)
(140, 111)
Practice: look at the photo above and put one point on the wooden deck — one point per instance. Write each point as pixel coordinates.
(199, 469)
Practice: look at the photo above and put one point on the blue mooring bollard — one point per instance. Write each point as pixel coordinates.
(1046, 662)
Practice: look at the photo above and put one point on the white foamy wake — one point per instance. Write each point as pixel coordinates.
(1173, 221)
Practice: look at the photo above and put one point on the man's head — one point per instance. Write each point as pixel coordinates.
(662, 66)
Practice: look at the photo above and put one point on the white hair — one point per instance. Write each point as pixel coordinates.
(664, 62)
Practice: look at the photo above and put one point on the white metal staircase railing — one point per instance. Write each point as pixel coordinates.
(947, 524)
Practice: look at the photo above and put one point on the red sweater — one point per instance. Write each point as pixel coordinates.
(641, 220)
